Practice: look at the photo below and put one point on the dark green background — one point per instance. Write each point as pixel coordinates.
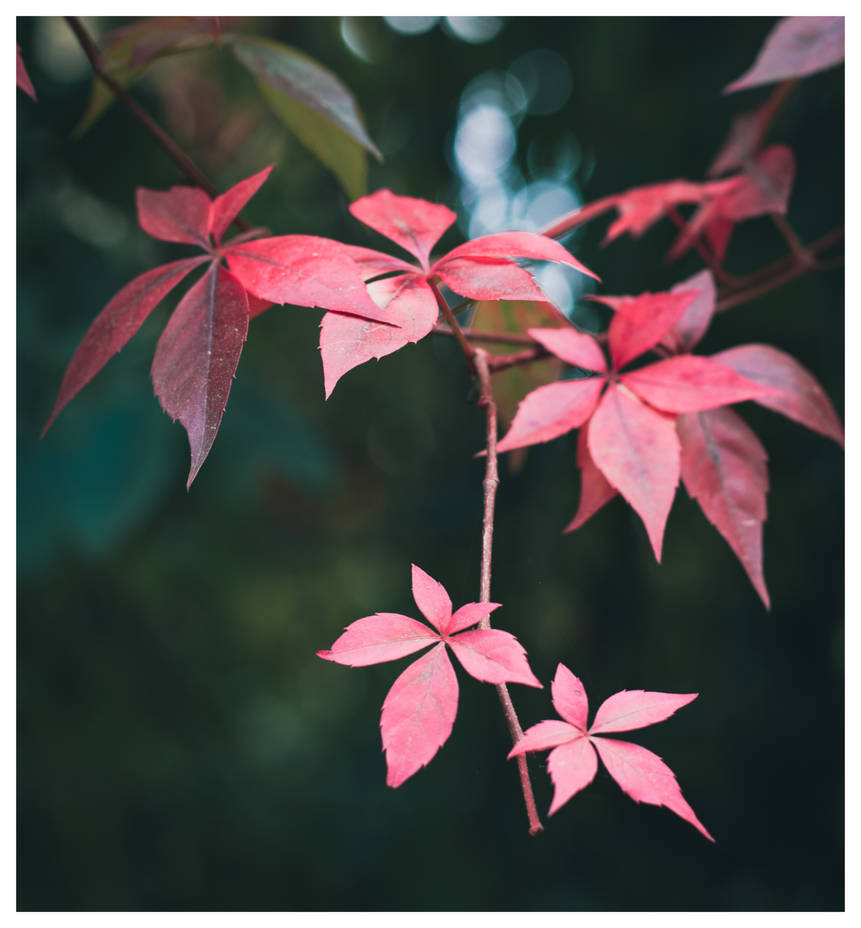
(179, 744)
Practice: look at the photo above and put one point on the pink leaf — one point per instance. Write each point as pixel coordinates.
(569, 698)
(226, 208)
(572, 767)
(489, 279)
(415, 225)
(304, 270)
(552, 410)
(799, 396)
(470, 614)
(595, 491)
(573, 347)
(766, 187)
(418, 714)
(637, 450)
(688, 383)
(385, 636)
(645, 778)
(493, 656)
(22, 79)
(515, 245)
(688, 331)
(197, 355)
(547, 734)
(744, 138)
(795, 47)
(631, 709)
(641, 322)
(431, 598)
(116, 324)
(180, 214)
(724, 469)
(346, 341)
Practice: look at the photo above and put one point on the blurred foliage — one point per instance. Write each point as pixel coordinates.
(179, 745)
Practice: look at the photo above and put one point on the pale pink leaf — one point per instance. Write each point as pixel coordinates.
(799, 396)
(547, 734)
(724, 469)
(637, 450)
(431, 598)
(304, 270)
(385, 636)
(569, 698)
(489, 279)
(197, 355)
(418, 714)
(493, 656)
(572, 767)
(347, 341)
(573, 347)
(766, 186)
(595, 491)
(416, 225)
(116, 324)
(22, 78)
(640, 323)
(225, 208)
(629, 709)
(743, 140)
(645, 778)
(180, 214)
(688, 383)
(795, 47)
(470, 614)
(515, 245)
(688, 331)
(552, 410)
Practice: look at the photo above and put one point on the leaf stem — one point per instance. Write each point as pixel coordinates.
(467, 349)
(174, 152)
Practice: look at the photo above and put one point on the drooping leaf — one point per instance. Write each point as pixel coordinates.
(418, 714)
(595, 490)
(493, 656)
(724, 468)
(116, 324)
(799, 395)
(687, 383)
(385, 636)
(22, 78)
(643, 321)
(795, 47)
(637, 450)
(197, 355)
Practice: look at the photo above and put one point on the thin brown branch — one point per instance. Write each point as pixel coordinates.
(481, 360)
(705, 253)
(479, 336)
(174, 152)
(467, 349)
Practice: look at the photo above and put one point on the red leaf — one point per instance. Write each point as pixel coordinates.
(515, 245)
(418, 714)
(197, 355)
(637, 450)
(415, 225)
(489, 279)
(493, 656)
(688, 331)
(22, 79)
(385, 636)
(799, 396)
(575, 348)
(629, 709)
(304, 270)
(116, 324)
(688, 383)
(595, 491)
(552, 410)
(642, 321)
(225, 208)
(180, 214)
(346, 342)
(724, 469)
(572, 767)
(645, 778)
(431, 598)
(795, 47)
(569, 698)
